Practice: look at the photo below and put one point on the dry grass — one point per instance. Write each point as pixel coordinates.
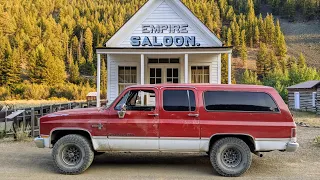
(23, 133)
(309, 118)
(316, 141)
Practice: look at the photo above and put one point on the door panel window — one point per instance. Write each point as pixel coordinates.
(179, 100)
(155, 75)
(138, 100)
(172, 75)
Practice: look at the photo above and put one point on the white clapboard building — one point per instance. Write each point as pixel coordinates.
(164, 42)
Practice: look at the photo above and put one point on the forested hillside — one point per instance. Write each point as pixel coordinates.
(48, 46)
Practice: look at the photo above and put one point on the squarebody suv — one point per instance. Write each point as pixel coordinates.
(228, 122)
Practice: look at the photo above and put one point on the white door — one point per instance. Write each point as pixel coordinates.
(297, 100)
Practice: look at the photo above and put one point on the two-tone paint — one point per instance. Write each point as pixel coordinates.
(160, 130)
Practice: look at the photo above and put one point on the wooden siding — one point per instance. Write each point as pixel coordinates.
(305, 100)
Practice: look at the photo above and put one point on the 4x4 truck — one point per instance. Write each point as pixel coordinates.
(228, 122)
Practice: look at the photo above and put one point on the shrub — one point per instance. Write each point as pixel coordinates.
(22, 133)
(2, 134)
(4, 93)
(316, 140)
(36, 91)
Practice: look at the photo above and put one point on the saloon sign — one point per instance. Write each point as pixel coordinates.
(168, 41)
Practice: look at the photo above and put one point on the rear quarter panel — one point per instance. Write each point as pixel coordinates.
(255, 124)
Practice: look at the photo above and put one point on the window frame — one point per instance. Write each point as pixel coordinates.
(230, 111)
(138, 89)
(189, 103)
(126, 84)
(201, 75)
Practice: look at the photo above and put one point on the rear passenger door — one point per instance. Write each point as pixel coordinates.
(179, 128)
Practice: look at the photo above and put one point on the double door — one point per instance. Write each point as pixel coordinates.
(160, 75)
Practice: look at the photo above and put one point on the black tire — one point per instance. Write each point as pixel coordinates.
(230, 157)
(72, 154)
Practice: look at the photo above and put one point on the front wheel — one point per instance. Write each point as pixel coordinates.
(230, 157)
(72, 154)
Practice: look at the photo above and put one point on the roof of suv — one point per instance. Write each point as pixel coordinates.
(227, 86)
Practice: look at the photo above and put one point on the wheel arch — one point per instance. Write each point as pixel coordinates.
(248, 139)
(58, 133)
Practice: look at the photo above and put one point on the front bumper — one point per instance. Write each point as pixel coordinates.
(292, 146)
(42, 141)
(39, 142)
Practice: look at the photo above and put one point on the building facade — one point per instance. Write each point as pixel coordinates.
(164, 42)
(305, 96)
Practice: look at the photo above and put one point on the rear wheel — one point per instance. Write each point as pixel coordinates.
(230, 157)
(72, 154)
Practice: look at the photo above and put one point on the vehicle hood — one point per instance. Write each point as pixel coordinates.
(75, 112)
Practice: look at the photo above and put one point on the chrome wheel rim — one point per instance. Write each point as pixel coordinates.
(71, 155)
(231, 157)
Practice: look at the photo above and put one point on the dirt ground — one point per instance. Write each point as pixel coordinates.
(22, 160)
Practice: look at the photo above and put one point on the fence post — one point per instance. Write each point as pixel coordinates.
(41, 111)
(51, 108)
(24, 120)
(32, 122)
(69, 105)
(5, 123)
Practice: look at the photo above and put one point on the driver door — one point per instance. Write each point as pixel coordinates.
(138, 129)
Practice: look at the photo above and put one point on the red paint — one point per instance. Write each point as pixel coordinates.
(177, 124)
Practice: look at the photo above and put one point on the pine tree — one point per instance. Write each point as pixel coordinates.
(256, 35)
(262, 60)
(291, 60)
(229, 37)
(74, 73)
(243, 49)
(88, 44)
(281, 46)
(103, 78)
(250, 77)
(301, 61)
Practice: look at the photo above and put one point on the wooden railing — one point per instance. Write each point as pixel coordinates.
(30, 117)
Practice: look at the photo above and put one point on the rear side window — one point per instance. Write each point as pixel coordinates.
(239, 101)
(179, 100)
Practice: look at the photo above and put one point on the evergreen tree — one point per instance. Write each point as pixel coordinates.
(250, 77)
(229, 37)
(74, 73)
(256, 35)
(88, 44)
(243, 49)
(301, 61)
(103, 78)
(262, 62)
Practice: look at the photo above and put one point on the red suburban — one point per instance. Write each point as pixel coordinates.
(228, 122)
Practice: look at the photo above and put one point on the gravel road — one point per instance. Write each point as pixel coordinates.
(22, 160)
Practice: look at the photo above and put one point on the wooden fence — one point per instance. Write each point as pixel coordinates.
(30, 116)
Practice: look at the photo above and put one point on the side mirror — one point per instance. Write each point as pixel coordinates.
(122, 112)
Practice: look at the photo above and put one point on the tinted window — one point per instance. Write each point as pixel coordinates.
(239, 101)
(179, 100)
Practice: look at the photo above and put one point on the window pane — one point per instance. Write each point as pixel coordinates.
(152, 72)
(158, 72)
(175, 100)
(175, 72)
(153, 60)
(175, 80)
(174, 61)
(163, 60)
(206, 79)
(169, 72)
(158, 81)
(152, 81)
(239, 101)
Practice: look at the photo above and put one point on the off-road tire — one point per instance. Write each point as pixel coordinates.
(85, 148)
(217, 157)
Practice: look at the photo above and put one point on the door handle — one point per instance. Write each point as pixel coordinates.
(153, 114)
(193, 115)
